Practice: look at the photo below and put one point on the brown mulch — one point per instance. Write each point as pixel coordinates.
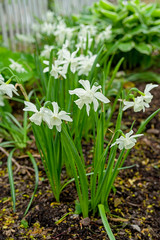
(134, 205)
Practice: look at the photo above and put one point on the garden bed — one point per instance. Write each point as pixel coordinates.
(134, 207)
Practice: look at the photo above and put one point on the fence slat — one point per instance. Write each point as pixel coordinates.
(3, 26)
(10, 24)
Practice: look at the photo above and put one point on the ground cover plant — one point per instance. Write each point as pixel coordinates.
(76, 95)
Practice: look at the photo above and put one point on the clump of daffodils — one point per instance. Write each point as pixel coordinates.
(141, 102)
(80, 64)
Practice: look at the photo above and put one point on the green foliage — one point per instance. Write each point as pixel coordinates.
(135, 26)
(11, 180)
(26, 60)
(50, 149)
(24, 223)
(11, 129)
(12, 187)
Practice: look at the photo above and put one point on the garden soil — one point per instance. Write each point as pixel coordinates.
(134, 204)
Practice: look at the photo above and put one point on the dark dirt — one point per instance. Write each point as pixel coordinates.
(134, 208)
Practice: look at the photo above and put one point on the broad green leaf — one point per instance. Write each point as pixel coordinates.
(126, 46)
(109, 14)
(148, 9)
(156, 44)
(154, 30)
(26, 60)
(107, 5)
(130, 19)
(156, 22)
(156, 13)
(122, 15)
(144, 76)
(144, 48)
(139, 29)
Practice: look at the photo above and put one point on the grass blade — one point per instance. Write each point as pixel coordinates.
(105, 222)
(11, 181)
(36, 180)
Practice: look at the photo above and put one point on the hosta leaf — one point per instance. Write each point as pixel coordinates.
(126, 46)
(156, 13)
(144, 48)
(148, 9)
(156, 22)
(139, 29)
(110, 15)
(130, 19)
(156, 44)
(155, 30)
(107, 5)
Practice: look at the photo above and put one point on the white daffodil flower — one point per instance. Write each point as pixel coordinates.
(43, 114)
(88, 95)
(104, 35)
(87, 30)
(148, 96)
(141, 102)
(127, 141)
(16, 66)
(138, 104)
(46, 51)
(62, 50)
(49, 16)
(47, 28)
(57, 117)
(69, 58)
(85, 64)
(83, 41)
(6, 88)
(56, 69)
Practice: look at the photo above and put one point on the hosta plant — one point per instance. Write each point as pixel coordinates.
(134, 29)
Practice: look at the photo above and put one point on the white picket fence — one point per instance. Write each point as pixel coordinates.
(67, 7)
(17, 16)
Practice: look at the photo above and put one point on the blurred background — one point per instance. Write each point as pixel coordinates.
(17, 17)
